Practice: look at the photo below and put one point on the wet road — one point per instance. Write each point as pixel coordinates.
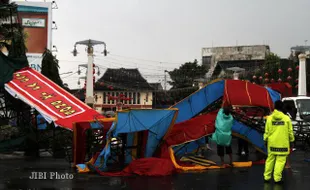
(14, 174)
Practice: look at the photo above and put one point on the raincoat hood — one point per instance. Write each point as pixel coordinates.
(277, 115)
(226, 117)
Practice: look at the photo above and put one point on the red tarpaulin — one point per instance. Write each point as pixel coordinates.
(240, 93)
(54, 103)
(145, 166)
(285, 89)
(189, 130)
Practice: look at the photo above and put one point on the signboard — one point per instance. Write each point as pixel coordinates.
(36, 19)
(33, 22)
(35, 61)
(54, 103)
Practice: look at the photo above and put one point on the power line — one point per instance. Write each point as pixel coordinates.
(144, 59)
(139, 63)
(129, 65)
(72, 61)
(72, 73)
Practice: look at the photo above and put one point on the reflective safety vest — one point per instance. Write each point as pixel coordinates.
(278, 133)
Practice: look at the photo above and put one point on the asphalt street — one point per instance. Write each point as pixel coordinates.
(15, 174)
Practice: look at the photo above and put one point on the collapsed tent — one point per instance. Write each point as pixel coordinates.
(195, 120)
(234, 93)
(187, 131)
(140, 130)
(284, 88)
(80, 135)
(51, 101)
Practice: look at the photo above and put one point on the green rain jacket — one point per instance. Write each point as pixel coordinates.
(223, 125)
(278, 133)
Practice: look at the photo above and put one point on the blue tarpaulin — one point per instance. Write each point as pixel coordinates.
(195, 103)
(157, 122)
(252, 135)
(274, 95)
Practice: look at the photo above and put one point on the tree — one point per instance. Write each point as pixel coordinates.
(185, 75)
(12, 36)
(50, 67)
(182, 82)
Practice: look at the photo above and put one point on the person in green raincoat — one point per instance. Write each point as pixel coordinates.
(222, 135)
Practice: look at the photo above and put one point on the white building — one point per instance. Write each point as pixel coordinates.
(122, 88)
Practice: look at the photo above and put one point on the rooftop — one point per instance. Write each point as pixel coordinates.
(239, 46)
(156, 86)
(123, 79)
(300, 48)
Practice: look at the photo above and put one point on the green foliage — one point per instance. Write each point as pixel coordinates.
(18, 47)
(184, 76)
(271, 66)
(12, 35)
(50, 67)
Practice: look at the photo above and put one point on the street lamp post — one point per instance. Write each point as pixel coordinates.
(89, 99)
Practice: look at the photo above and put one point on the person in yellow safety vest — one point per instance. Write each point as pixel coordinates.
(278, 136)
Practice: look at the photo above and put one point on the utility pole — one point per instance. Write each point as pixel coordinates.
(89, 98)
(165, 82)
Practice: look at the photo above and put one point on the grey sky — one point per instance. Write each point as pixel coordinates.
(174, 30)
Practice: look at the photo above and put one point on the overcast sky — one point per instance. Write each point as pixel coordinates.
(174, 31)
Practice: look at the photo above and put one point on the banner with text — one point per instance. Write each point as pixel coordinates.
(53, 102)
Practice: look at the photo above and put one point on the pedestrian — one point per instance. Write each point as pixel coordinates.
(278, 136)
(222, 135)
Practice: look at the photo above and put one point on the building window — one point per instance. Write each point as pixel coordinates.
(134, 98)
(147, 97)
(113, 94)
(104, 96)
(126, 95)
(138, 98)
(130, 96)
(108, 99)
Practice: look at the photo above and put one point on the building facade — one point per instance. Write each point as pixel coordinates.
(121, 89)
(118, 100)
(240, 55)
